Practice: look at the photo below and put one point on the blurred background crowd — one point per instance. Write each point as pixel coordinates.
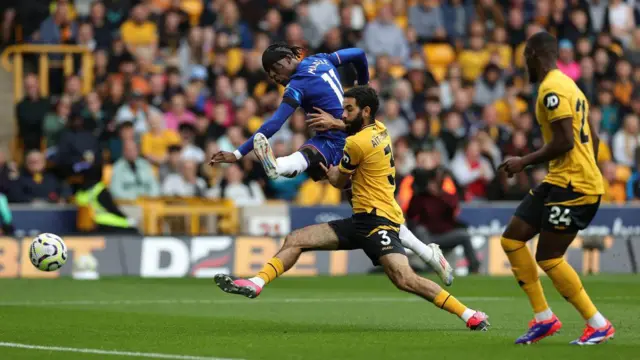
(178, 80)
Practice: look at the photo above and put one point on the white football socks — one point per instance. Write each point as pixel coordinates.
(258, 281)
(467, 314)
(597, 321)
(295, 163)
(410, 241)
(544, 315)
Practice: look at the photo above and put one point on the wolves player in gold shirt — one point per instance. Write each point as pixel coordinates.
(563, 204)
(368, 162)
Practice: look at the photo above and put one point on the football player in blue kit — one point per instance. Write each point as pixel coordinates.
(313, 83)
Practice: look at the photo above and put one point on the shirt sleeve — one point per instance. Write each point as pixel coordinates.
(351, 157)
(556, 106)
(354, 56)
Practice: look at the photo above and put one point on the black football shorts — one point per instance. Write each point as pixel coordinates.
(376, 235)
(557, 209)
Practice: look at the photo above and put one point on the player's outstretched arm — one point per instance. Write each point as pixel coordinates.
(270, 127)
(561, 143)
(355, 56)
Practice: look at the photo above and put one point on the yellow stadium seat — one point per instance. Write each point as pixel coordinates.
(402, 22)
(397, 71)
(439, 57)
(235, 59)
(193, 8)
(439, 54)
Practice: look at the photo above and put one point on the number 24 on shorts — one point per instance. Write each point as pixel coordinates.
(559, 215)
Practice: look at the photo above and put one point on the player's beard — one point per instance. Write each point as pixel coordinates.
(355, 125)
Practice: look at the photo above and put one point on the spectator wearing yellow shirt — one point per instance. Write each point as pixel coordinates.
(511, 105)
(138, 31)
(475, 59)
(614, 185)
(313, 193)
(500, 46)
(157, 140)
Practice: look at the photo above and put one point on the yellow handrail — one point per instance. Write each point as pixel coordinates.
(12, 60)
(17, 66)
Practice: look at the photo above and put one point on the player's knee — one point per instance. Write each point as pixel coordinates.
(292, 240)
(402, 279)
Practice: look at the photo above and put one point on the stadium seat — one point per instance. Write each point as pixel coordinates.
(439, 57)
(397, 71)
(193, 8)
(402, 22)
(235, 60)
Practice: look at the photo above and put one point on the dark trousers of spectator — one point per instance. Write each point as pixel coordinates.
(449, 240)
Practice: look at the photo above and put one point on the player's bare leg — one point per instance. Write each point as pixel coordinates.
(314, 237)
(397, 268)
(430, 254)
(550, 257)
(525, 270)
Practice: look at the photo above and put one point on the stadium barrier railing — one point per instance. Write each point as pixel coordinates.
(13, 60)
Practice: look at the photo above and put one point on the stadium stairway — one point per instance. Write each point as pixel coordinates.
(7, 115)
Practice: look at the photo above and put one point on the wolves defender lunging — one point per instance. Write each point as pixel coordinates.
(563, 204)
(313, 84)
(374, 226)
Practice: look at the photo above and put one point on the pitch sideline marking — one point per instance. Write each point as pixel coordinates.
(107, 352)
(238, 301)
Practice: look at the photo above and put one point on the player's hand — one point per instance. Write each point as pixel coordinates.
(323, 121)
(222, 157)
(333, 174)
(512, 165)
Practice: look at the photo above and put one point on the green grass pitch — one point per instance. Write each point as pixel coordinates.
(356, 317)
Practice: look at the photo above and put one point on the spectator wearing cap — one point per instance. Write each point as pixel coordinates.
(156, 142)
(426, 17)
(383, 37)
(566, 62)
(133, 176)
(489, 87)
(136, 111)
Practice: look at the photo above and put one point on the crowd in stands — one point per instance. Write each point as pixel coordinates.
(177, 80)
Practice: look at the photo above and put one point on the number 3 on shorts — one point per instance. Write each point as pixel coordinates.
(386, 240)
(559, 215)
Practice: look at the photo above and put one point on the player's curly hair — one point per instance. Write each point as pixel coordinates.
(278, 51)
(365, 96)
